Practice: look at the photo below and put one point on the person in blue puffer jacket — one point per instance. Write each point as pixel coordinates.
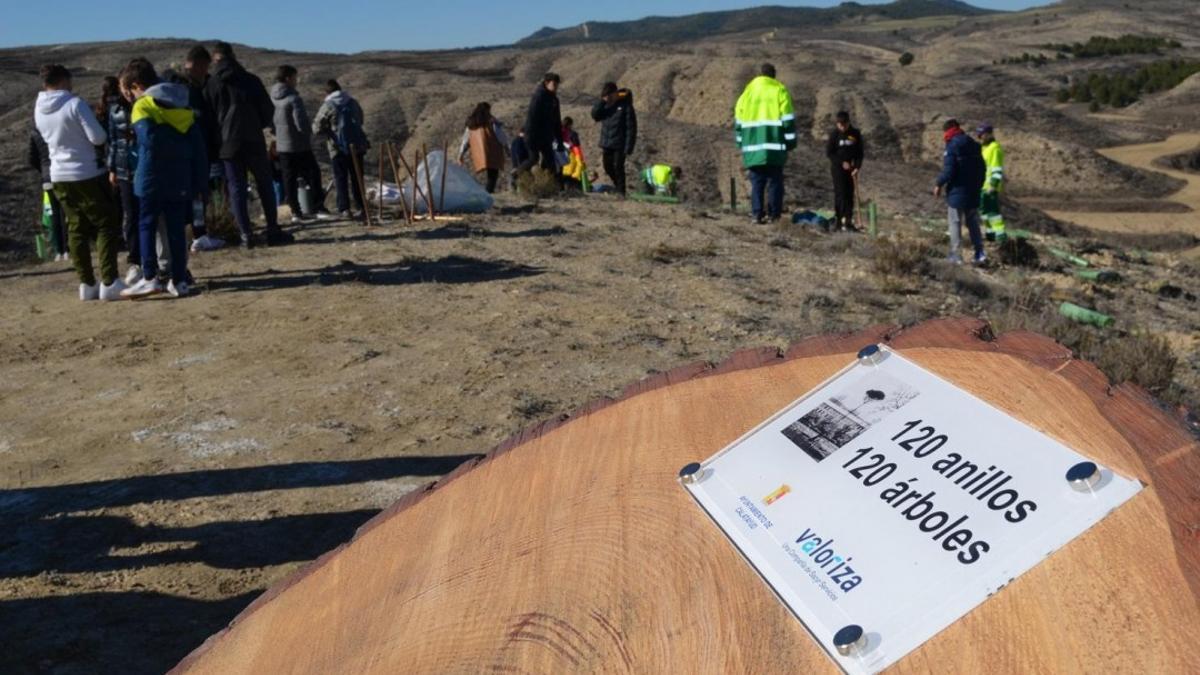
(963, 173)
(172, 171)
(121, 158)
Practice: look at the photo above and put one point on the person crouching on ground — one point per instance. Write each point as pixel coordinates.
(72, 134)
(844, 148)
(172, 171)
(961, 180)
(485, 139)
(661, 179)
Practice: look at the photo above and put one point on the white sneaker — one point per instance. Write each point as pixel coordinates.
(323, 215)
(143, 288)
(112, 291)
(178, 290)
(133, 276)
(63, 257)
(88, 292)
(207, 243)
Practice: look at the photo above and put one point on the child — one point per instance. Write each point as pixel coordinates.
(172, 170)
(72, 132)
(121, 160)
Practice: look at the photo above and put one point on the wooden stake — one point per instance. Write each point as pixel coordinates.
(417, 189)
(362, 185)
(426, 192)
(396, 176)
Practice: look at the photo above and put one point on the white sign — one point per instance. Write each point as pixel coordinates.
(892, 500)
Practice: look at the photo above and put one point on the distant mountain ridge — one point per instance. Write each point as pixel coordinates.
(694, 26)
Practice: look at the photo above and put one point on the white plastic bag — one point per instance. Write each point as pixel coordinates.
(463, 194)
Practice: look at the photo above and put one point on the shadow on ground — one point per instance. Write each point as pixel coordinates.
(451, 269)
(46, 531)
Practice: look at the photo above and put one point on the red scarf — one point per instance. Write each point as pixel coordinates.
(951, 133)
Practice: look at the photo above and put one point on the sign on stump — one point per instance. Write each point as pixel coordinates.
(887, 502)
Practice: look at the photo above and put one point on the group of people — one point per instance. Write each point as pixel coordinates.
(550, 141)
(160, 147)
(150, 158)
(972, 177)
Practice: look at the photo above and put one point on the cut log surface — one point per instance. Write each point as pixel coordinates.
(572, 548)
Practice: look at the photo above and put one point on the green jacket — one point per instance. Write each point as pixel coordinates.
(764, 123)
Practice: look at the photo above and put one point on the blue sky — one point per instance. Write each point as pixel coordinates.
(340, 25)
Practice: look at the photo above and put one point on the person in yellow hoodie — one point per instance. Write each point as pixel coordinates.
(993, 184)
(172, 171)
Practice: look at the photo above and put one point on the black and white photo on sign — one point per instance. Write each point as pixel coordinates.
(853, 409)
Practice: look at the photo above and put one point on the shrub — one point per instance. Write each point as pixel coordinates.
(906, 58)
(1098, 46)
(537, 184)
(1014, 251)
(1124, 88)
(901, 256)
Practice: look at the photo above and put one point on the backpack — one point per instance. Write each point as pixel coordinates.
(349, 130)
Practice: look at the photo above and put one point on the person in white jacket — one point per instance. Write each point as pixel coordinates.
(80, 179)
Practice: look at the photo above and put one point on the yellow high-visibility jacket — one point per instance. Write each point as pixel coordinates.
(764, 123)
(993, 156)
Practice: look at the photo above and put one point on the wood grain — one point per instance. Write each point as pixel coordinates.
(570, 548)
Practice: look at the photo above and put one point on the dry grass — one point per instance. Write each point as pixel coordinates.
(537, 184)
(901, 256)
(671, 253)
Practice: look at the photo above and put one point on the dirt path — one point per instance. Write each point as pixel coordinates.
(1142, 156)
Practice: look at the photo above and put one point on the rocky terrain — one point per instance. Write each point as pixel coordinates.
(165, 461)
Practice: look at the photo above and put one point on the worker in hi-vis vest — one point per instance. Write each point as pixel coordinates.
(993, 185)
(660, 179)
(764, 123)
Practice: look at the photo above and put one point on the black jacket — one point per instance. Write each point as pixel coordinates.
(120, 142)
(39, 154)
(845, 147)
(205, 118)
(618, 130)
(240, 105)
(543, 123)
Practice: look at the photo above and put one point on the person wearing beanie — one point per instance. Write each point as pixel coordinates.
(618, 131)
(989, 201)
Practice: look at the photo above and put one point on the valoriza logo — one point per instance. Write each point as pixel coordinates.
(777, 494)
(836, 566)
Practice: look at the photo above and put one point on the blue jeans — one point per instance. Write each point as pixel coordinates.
(176, 215)
(252, 158)
(956, 218)
(767, 179)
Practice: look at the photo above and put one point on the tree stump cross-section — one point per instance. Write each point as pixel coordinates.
(571, 548)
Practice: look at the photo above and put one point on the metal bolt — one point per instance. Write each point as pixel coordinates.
(1084, 476)
(849, 640)
(691, 473)
(870, 354)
